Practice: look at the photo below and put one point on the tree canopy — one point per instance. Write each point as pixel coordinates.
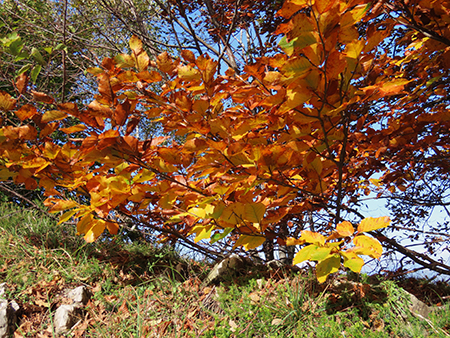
(283, 146)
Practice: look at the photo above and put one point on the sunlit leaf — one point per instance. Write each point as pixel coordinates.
(94, 230)
(371, 224)
(6, 101)
(327, 266)
(254, 212)
(352, 261)
(345, 229)
(304, 254)
(250, 242)
(53, 115)
(312, 237)
(368, 246)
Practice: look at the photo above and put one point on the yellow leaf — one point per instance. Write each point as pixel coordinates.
(135, 44)
(354, 49)
(197, 212)
(327, 266)
(312, 237)
(63, 205)
(143, 176)
(345, 229)
(249, 242)
(202, 231)
(142, 62)
(353, 16)
(189, 73)
(233, 213)
(370, 223)
(254, 212)
(94, 230)
(368, 246)
(352, 261)
(66, 216)
(304, 254)
(53, 115)
(84, 223)
(294, 241)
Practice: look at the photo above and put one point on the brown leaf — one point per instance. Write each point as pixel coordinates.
(6, 101)
(22, 83)
(42, 97)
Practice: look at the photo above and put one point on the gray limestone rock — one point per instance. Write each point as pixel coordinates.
(224, 268)
(417, 307)
(7, 317)
(66, 316)
(80, 295)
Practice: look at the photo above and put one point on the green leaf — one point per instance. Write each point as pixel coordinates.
(60, 46)
(24, 69)
(22, 55)
(49, 50)
(35, 72)
(16, 46)
(220, 235)
(38, 56)
(320, 254)
(302, 41)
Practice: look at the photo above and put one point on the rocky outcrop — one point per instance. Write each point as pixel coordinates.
(224, 268)
(8, 317)
(68, 315)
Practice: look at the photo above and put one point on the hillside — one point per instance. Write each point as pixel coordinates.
(141, 290)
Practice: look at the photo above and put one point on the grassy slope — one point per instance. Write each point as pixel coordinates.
(141, 291)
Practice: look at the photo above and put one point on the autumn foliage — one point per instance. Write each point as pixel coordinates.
(243, 156)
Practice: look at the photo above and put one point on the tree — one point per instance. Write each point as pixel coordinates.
(283, 150)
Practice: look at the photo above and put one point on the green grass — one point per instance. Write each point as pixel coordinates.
(139, 290)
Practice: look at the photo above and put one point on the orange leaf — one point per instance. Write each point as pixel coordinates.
(73, 129)
(41, 97)
(62, 205)
(345, 229)
(22, 83)
(25, 112)
(6, 101)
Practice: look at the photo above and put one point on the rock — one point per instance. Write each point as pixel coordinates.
(275, 264)
(8, 317)
(417, 307)
(2, 289)
(224, 268)
(80, 295)
(66, 316)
